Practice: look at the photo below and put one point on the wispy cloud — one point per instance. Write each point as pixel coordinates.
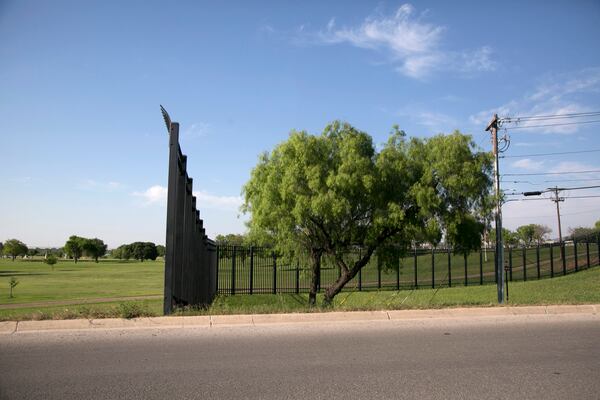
(198, 129)
(157, 194)
(414, 46)
(528, 164)
(557, 94)
(91, 184)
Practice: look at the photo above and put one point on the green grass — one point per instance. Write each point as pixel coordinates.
(111, 279)
(579, 288)
(84, 280)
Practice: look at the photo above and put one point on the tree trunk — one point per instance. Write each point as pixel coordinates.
(316, 277)
(13, 257)
(337, 287)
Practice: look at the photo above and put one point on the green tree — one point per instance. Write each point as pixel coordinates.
(526, 234)
(12, 284)
(232, 239)
(74, 247)
(328, 194)
(14, 248)
(51, 260)
(160, 250)
(143, 251)
(581, 232)
(94, 248)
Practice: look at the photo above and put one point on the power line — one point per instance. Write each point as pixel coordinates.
(554, 116)
(555, 173)
(548, 125)
(551, 154)
(581, 197)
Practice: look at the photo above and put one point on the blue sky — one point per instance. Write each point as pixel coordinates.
(84, 147)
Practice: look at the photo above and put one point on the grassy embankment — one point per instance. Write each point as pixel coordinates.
(112, 281)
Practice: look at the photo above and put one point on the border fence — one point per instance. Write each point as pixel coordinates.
(190, 259)
(255, 270)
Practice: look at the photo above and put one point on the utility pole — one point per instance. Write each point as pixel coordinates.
(557, 200)
(493, 128)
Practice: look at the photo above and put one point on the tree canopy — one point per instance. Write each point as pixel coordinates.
(14, 248)
(137, 250)
(94, 248)
(74, 247)
(331, 193)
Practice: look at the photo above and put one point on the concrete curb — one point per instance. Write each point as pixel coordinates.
(206, 321)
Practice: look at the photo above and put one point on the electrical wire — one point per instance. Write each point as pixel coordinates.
(549, 125)
(551, 154)
(555, 173)
(554, 116)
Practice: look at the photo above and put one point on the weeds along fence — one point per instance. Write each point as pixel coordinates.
(190, 259)
(254, 270)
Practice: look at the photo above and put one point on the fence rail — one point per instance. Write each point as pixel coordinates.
(254, 270)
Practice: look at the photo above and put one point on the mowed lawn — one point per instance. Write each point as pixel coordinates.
(84, 280)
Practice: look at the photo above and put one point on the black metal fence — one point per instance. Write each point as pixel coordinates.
(190, 259)
(253, 270)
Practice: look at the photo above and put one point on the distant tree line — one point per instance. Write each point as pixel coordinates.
(138, 251)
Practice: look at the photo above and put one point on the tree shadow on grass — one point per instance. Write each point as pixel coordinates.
(20, 273)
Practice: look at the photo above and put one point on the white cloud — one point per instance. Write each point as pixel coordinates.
(157, 194)
(410, 42)
(528, 164)
(207, 200)
(153, 195)
(554, 95)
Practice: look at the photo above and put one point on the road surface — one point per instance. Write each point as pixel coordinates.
(504, 358)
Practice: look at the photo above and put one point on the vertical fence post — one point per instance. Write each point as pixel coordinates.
(551, 260)
(297, 277)
(524, 254)
(575, 254)
(598, 246)
(449, 268)
(217, 271)
(233, 271)
(563, 252)
(537, 260)
(415, 266)
(274, 273)
(433, 268)
(251, 269)
(359, 272)
(466, 273)
(378, 275)
(398, 274)
(510, 265)
(480, 267)
(587, 252)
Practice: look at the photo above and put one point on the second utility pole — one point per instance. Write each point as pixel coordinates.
(493, 127)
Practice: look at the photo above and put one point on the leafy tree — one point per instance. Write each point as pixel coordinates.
(122, 252)
(74, 247)
(51, 260)
(581, 232)
(232, 239)
(12, 284)
(526, 233)
(94, 248)
(541, 232)
(596, 226)
(14, 248)
(328, 194)
(143, 251)
(160, 250)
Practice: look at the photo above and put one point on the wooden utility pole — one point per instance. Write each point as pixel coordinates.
(493, 128)
(557, 200)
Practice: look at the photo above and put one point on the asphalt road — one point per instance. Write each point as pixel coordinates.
(505, 358)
